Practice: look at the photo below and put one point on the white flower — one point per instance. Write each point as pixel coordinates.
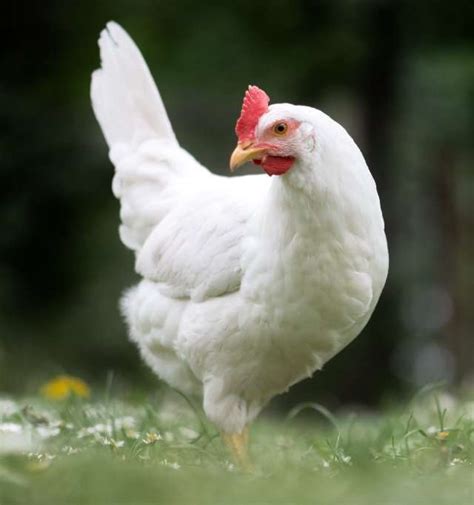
(152, 437)
(131, 433)
(41, 456)
(188, 433)
(346, 459)
(230, 466)
(8, 407)
(174, 466)
(126, 422)
(14, 439)
(67, 449)
(115, 444)
(101, 428)
(97, 429)
(47, 431)
(11, 428)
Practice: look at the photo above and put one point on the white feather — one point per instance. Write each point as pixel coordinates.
(125, 99)
(251, 283)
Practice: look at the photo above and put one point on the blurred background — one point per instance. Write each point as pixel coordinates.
(398, 75)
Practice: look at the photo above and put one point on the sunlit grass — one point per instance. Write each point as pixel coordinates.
(106, 451)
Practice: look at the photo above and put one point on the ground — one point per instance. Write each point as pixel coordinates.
(105, 451)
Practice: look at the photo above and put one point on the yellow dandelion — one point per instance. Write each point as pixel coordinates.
(64, 386)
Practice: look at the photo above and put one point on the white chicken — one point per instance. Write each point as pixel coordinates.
(250, 284)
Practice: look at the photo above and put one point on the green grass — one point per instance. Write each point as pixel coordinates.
(110, 452)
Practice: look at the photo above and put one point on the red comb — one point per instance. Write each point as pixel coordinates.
(254, 106)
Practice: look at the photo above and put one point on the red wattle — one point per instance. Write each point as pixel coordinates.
(276, 165)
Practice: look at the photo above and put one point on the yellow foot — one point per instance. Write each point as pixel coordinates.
(237, 443)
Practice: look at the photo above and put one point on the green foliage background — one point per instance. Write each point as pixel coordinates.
(398, 75)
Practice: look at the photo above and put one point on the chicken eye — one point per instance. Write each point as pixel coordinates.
(280, 129)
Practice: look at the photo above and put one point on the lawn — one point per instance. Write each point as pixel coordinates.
(104, 450)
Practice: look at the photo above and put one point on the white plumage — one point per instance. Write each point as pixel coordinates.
(251, 283)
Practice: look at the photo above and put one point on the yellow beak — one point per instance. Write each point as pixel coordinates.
(244, 152)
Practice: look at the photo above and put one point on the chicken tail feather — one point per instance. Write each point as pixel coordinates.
(125, 99)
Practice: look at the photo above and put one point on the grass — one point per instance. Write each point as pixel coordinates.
(109, 452)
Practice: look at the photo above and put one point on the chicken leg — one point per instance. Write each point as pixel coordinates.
(237, 443)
